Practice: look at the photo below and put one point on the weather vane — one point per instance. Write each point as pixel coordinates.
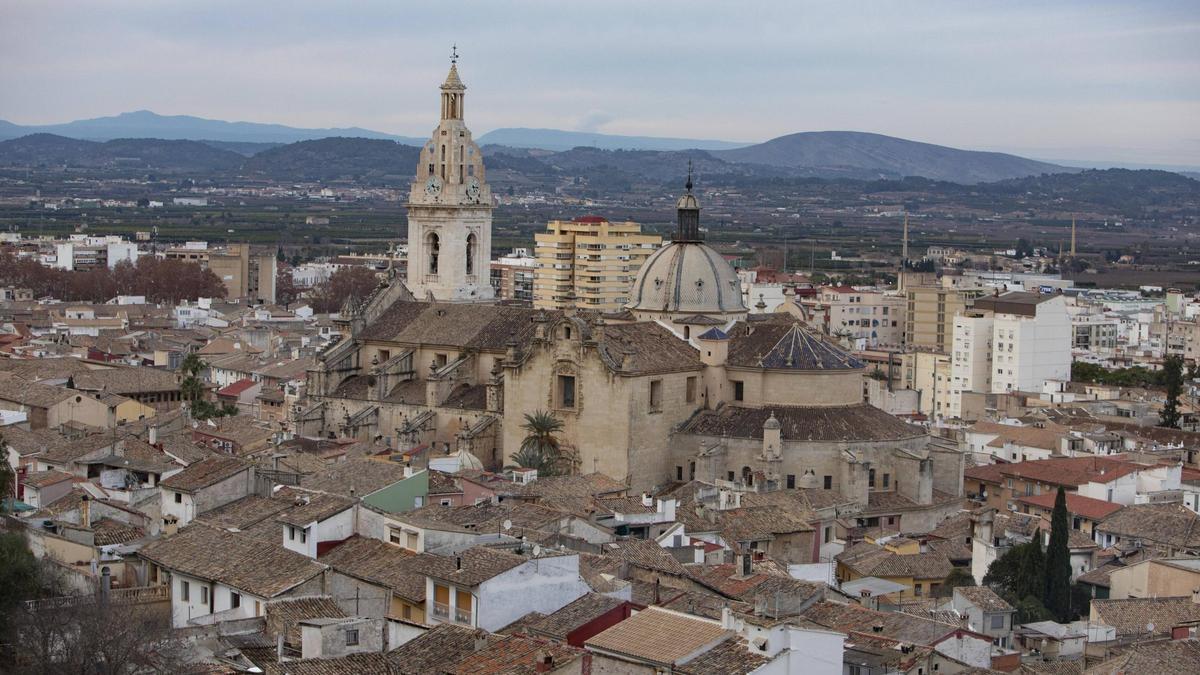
(454, 53)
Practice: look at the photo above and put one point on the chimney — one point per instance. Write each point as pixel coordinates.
(647, 500)
(85, 511)
(545, 661)
(458, 562)
(747, 567)
(1196, 596)
(480, 643)
(153, 435)
(105, 585)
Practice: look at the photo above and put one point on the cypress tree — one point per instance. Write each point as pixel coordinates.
(1173, 381)
(1058, 561)
(1031, 576)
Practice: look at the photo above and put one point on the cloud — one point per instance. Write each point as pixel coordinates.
(593, 121)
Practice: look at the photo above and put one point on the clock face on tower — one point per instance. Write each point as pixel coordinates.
(433, 186)
(473, 189)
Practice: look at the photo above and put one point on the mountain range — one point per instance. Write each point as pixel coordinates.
(196, 142)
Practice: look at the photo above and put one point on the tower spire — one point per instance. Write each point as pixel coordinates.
(687, 211)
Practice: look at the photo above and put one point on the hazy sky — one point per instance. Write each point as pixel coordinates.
(1062, 80)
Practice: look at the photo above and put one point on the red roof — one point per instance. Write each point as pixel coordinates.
(591, 219)
(236, 388)
(1070, 471)
(1094, 509)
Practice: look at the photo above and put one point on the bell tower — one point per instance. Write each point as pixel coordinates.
(450, 209)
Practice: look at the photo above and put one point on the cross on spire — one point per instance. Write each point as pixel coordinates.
(454, 53)
(688, 185)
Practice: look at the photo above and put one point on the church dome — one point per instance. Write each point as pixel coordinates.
(686, 278)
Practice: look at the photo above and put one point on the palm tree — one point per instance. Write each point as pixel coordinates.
(541, 449)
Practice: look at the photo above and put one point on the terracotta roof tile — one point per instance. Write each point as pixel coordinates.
(660, 636)
(284, 616)
(380, 563)
(1131, 617)
(831, 423)
(204, 473)
(235, 559)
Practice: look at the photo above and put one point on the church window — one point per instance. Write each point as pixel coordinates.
(433, 244)
(471, 254)
(739, 390)
(566, 391)
(828, 482)
(730, 476)
(656, 394)
(791, 481)
(678, 473)
(887, 479)
(431, 167)
(691, 389)
(747, 476)
(871, 478)
(566, 332)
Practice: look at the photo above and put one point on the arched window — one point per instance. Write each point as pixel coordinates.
(471, 254)
(433, 246)
(687, 332)
(747, 476)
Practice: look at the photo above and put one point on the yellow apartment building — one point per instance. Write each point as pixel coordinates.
(589, 263)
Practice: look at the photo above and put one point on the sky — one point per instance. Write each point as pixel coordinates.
(1097, 81)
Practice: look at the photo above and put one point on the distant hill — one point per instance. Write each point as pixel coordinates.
(146, 124)
(363, 159)
(558, 140)
(48, 150)
(854, 151)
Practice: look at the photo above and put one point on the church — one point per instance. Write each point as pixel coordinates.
(683, 383)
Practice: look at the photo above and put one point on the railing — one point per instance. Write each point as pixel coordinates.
(462, 616)
(441, 611)
(138, 594)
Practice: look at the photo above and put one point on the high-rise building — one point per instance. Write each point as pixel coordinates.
(450, 209)
(1008, 343)
(246, 274)
(929, 315)
(589, 263)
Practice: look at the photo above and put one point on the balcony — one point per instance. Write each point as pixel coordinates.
(462, 616)
(441, 611)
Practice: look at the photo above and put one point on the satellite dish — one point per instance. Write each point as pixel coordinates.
(1150, 627)
(537, 550)
(507, 524)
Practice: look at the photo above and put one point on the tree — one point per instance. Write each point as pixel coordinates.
(286, 291)
(540, 449)
(1173, 380)
(1019, 572)
(354, 282)
(18, 576)
(1058, 561)
(957, 578)
(8, 478)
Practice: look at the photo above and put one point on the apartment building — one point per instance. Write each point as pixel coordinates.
(930, 311)
(1011, 342)
(865, 317)
(512, 275)
(588, 263)
(245, 273)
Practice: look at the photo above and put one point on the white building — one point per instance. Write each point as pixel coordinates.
(868, 318)
(971, 359)
(1023, 338)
